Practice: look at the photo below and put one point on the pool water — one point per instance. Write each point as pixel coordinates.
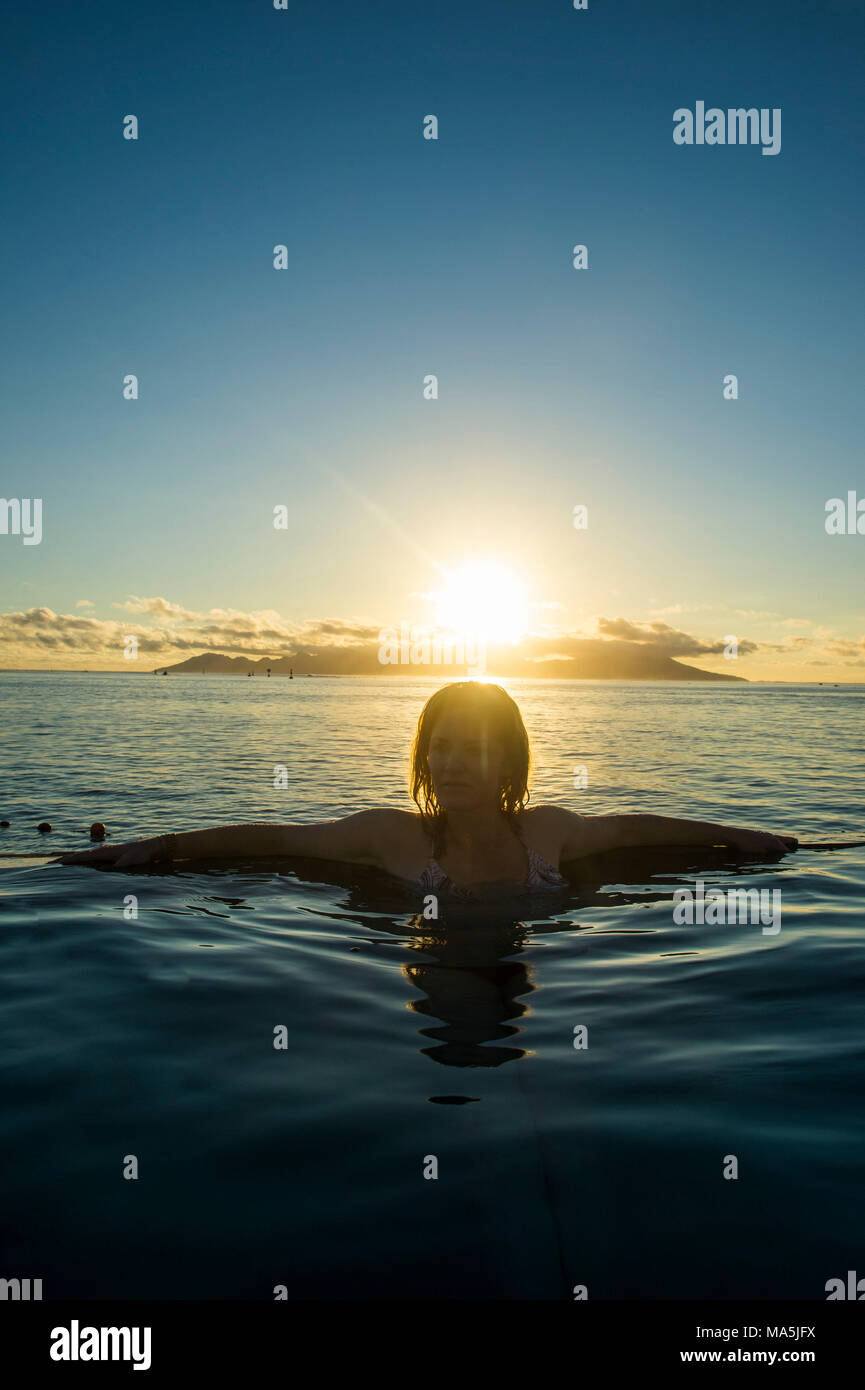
(325, 1092)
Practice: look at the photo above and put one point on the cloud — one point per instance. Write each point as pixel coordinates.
(40, 633)
(167, 632)
(342, 631)
(843, 647)
(670, 640)
(672, 608)
(155, 607)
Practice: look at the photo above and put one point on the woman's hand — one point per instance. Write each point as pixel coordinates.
(758, 841)
(123, 856)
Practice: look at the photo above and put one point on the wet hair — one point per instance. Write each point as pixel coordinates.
(501, 720)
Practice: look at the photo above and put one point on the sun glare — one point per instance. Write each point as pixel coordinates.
(483, 601)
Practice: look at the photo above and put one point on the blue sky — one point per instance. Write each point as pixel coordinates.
(452, 257)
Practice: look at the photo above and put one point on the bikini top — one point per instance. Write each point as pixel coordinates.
(540, 877)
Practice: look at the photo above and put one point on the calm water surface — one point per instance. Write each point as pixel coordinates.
(304, 1166)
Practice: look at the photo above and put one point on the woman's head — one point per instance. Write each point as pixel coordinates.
(470, 752)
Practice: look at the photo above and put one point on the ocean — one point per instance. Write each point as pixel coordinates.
(427, 1128)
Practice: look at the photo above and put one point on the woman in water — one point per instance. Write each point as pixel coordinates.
(472, 828)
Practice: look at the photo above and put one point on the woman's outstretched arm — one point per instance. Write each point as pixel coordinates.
(582, 835)
(355, 839)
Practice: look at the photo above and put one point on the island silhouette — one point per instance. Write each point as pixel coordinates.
(586, 659)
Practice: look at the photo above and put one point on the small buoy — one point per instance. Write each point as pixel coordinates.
(4, 824)
(44, 826)
(97, 830)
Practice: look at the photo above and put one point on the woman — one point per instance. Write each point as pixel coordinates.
(469, 776)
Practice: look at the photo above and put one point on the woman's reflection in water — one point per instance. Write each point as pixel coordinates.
(469, 985)
(466, 975)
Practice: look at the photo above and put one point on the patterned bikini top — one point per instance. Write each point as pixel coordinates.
(541, 877)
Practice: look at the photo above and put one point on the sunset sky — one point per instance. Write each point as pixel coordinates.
(453, 257)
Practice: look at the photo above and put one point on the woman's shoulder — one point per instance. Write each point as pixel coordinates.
(554, 830)
(404, 844)
(544, 830)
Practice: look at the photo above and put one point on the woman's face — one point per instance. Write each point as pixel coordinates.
(467, 766)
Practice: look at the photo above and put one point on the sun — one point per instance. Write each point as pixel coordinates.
(483, 601)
